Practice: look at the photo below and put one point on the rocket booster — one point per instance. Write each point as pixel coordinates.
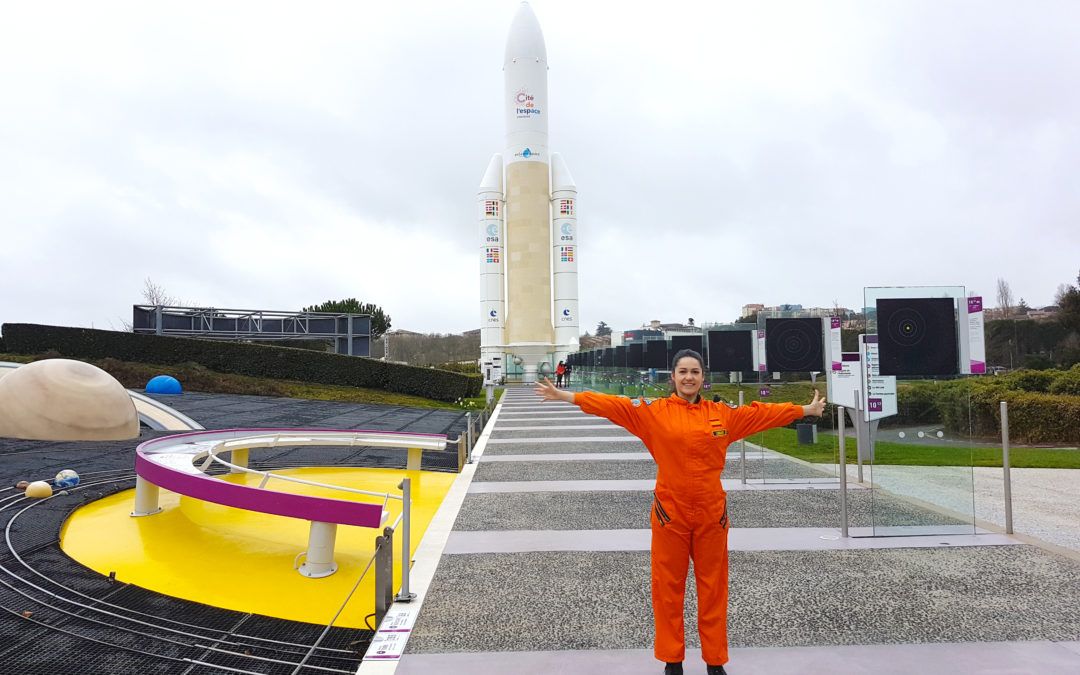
(528, 220)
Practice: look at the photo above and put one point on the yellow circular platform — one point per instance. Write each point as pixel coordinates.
(243, 561)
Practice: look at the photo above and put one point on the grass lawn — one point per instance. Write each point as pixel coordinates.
(826, 451)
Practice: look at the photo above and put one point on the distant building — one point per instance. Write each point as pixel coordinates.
(1043, 313)
(789, 311)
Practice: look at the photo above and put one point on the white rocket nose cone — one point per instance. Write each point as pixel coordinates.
(526, 40)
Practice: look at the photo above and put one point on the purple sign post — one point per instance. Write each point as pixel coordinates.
(764, 392)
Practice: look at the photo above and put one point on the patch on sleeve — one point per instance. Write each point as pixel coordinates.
(637, 401)
(649, 400)
(717, 427)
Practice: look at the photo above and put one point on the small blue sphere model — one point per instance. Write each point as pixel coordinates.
(66, 478)
(164, 384)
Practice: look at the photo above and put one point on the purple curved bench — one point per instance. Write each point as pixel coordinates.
(168, 463)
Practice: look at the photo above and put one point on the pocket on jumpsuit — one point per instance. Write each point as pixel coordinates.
(658, 510)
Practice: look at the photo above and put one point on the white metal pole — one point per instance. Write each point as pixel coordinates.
(1005, 466)
(742, 447)
(406, 556)
(468, 436)
(843, 471)
(859, 441)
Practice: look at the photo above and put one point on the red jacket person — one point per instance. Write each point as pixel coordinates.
(688, 437)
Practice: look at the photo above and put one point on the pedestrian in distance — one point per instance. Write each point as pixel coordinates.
(560, 370)
(688, 438)
(566, 375)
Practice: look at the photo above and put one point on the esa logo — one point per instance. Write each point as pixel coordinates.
(493, 233)
(567, 232)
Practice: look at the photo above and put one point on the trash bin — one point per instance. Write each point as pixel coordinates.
(806, 433)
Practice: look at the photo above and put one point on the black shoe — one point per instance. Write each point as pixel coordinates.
(715, 670)
(673, 668)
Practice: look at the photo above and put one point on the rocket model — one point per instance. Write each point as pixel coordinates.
(528, 224)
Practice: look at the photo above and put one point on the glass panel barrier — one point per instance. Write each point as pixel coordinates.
(918, 446)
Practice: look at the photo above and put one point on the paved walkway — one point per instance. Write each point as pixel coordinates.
(538, 563)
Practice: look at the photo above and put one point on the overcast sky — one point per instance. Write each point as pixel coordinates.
(273, 155)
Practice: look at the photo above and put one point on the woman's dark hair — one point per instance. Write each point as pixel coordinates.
(679, 355)
(682, 354)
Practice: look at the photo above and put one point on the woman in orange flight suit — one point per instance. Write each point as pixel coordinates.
(688, 437)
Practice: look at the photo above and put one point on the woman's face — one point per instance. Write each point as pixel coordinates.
(688, 378)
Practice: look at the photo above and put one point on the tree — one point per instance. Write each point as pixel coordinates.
(602, 329)
(380, 322)
(1022, 307)
(1004, 297)
(1069, 308)
(156, 295)
(748, 319)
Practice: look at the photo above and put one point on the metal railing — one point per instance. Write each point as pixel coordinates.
(474, 426)
(383, 560)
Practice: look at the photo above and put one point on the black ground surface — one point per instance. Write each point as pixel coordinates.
(58, 616)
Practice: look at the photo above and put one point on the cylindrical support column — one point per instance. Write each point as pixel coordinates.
(146, 498)
(742, 447)
(1005, 466)
(841, 419)
(406, 544)
(239, 457)
(319, 561)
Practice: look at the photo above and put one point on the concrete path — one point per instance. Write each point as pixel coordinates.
(539, 563)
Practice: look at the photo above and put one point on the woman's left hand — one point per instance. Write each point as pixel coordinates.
(816, 407)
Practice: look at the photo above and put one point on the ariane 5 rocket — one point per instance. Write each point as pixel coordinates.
(528, 223)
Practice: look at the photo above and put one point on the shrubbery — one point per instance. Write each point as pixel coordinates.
(1044, 406)
(243, 359)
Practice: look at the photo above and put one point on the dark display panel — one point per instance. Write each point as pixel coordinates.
(656, 354)
(680, 342)
(794, 345)
(917, 336)
(731, 350)
(607, 357)
(620, 356)
(635, 355)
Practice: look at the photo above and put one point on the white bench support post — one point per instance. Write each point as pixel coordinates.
(239, 457)
(320, 551)
(406, 544)
(146, 498)
(413, 463)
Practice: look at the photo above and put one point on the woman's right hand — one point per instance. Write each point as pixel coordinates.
(550, 392)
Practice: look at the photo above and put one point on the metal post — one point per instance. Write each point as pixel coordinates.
(742, 446)
(843, 471)
(406, 556)
(858, 423)
(468, 436)
(1005, 466)
(348, 320)
(384, 574)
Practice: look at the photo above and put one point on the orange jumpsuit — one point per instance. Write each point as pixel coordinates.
(689, 518)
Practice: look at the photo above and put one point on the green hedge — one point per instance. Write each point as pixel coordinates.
(1067, 382)
(242, 359)
(973, 405)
